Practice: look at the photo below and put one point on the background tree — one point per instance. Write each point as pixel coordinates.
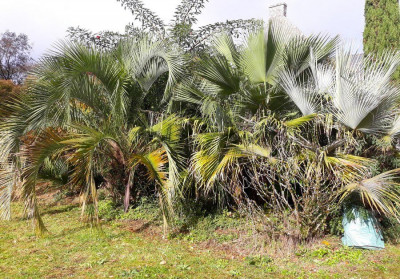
(14, 56)
(180, 30)
(382, 27)
(8, 92)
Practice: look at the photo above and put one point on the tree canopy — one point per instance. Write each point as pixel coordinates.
(14, 56)
(382, 27)
(179, 30)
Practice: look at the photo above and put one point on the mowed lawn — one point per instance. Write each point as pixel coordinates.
(73, 249)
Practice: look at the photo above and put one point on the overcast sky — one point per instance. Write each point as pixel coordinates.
(45, 21)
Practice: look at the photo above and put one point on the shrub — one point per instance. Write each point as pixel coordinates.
(108, 210)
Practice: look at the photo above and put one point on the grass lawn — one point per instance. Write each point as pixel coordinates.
(72, 249)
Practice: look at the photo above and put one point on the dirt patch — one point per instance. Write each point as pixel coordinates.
(46, 195)
(142, 227)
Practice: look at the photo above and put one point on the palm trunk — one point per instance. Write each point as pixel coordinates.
(128, 191)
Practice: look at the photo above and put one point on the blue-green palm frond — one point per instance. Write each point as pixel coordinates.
(364, 97)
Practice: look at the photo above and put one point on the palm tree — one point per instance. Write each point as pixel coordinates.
(86, 106)
(238, 84)
(359, 98)
(248, 97)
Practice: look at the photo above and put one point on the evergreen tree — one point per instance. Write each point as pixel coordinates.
(382, 27)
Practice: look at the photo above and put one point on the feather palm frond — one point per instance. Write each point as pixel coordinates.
(7, 182)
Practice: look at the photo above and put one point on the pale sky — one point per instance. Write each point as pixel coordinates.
(45, 21)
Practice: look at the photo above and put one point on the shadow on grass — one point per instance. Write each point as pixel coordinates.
(59, 210)
(71, 231)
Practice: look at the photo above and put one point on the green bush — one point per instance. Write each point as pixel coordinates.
(108, 210)
(205, 227)
(391, 229)
(144, 209)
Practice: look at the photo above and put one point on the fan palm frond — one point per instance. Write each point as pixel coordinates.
(301, 51)
(147, 60)
(218, 71)
(156, 166)
(225, 46)
(380, 192)
(364, 97)
(303, 95)
(253, 58)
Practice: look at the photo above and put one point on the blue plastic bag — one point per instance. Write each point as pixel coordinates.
(361, 230)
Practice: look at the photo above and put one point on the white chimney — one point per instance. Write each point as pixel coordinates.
(278, 10)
